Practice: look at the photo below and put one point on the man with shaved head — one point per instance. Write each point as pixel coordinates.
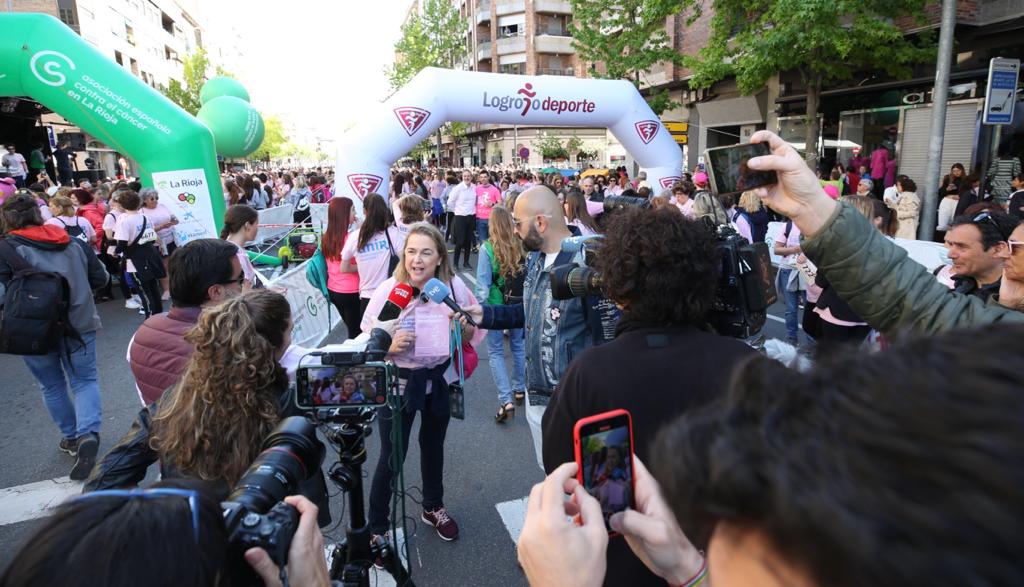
(556, 330)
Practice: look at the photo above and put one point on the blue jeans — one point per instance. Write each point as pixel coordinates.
(481, 231)
(792, 299)
(82, 416)
(496, 358)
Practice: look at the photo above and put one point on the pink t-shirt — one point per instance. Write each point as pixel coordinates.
(487, 196)
(407, 320)
(157, 216)
(337, 280)
(789, 261)
(372, 260)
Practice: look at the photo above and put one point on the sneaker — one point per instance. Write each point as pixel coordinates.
(88, 446)
(69, 445)
(133, 303)
(446, 527)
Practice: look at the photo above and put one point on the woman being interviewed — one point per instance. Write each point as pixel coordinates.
(420, 348)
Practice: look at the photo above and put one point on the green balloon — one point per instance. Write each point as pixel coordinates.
(237, 127)
(222, 86)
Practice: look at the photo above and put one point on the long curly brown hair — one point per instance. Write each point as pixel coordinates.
(508, 248)
(228, 400)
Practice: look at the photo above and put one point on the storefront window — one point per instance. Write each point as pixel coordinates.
(860, 133)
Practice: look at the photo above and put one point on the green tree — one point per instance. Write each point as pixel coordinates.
(435, 38)
(275, 142)
(550, 147)
(186, 95)
(825, 42)
(628, 37)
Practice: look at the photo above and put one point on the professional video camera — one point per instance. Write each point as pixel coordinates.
(745, 289)
(254, 513)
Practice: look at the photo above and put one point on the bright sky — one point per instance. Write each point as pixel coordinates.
(317, 63)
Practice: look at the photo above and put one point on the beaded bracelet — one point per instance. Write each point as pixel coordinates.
(699, 578)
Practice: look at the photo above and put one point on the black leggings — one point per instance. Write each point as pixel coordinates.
(348, 305)
(150, 295)
(464, 228)
(113, 267)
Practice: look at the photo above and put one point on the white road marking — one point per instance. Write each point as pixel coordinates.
(468, 275)
(35, 500)
(513, 515)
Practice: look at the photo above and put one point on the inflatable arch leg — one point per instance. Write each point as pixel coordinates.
(436, 96)
(43, 59)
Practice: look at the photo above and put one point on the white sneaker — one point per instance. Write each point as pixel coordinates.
(133, 303)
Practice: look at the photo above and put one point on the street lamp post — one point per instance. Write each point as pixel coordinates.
(940, 96)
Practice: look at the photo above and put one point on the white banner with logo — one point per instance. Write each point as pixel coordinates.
(309, 308)
(187, 194)
(367, 150)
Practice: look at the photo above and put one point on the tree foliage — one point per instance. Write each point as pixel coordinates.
(549, 146)
(824, 41)
(628, 37)
(275, 143)
(186, 94)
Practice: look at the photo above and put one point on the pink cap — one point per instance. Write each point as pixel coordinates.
(832, 191)
(700, 178)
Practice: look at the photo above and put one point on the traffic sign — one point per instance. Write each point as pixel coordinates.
(524, 153)
(681, 139)
(1001, 95)
(677, 127)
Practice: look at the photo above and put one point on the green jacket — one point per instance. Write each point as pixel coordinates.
(885, 287)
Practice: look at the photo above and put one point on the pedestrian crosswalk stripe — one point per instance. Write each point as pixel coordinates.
(35, 500)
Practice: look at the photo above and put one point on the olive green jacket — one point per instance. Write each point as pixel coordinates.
(890, 291)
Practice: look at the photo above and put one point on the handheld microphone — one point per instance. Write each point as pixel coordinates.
(400, 297)
(436, 291)
(575, 244)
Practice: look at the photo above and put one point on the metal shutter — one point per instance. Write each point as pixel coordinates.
(957, 146)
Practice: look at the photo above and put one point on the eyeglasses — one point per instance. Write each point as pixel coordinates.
(1011, 244)
(235, 280)
(191, 496)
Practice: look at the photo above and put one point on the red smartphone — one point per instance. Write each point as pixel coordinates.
(604, 453)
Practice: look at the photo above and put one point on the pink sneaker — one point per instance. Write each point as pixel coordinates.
(446, 527)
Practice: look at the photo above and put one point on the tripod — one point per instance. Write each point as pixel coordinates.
(351, 563)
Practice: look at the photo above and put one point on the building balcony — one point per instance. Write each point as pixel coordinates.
(483, 14)
(553, 6)
(564, 71)
(510, 7)
(483, 51)
(553, 44)
(509, 45)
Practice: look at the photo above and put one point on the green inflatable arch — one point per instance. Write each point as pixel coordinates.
(43, 59)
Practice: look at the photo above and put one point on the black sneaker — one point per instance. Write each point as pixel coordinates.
(69, 445)
(88, 446)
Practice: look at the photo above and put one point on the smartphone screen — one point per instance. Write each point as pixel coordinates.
(340, 386)
(729, 171)
(605, 454)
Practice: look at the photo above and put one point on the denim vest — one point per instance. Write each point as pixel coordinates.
(558, 330)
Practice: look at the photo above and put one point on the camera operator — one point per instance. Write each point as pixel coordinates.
(556, 330)
(211, 424)
(660, 268)
(829, 478)
(851, 252)
(170, 535)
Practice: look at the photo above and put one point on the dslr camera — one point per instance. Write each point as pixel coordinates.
(254, 513)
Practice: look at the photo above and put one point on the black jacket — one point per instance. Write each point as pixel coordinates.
(656, 373)
(126, 464)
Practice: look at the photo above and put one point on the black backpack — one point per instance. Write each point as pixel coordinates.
(75, 231)
(35, 316)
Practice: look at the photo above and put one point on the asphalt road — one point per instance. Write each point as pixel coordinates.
(486, 464)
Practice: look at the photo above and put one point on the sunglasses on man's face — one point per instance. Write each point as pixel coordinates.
(235, 280)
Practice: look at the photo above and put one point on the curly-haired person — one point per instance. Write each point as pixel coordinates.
(661, 269)
(211, 424)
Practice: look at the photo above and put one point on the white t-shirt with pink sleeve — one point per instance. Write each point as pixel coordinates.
(373, 259)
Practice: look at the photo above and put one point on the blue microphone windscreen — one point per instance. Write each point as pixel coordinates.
(436, 291)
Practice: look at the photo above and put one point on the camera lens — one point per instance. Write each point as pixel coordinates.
(290, 455)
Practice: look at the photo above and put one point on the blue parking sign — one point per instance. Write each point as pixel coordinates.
(1001, 96)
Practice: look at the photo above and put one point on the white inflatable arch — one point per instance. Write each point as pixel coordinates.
(435, 96)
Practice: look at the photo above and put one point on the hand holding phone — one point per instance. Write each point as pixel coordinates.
(604, 455)
(729, 172)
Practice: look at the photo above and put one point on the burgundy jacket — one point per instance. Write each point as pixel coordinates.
(159, 352)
